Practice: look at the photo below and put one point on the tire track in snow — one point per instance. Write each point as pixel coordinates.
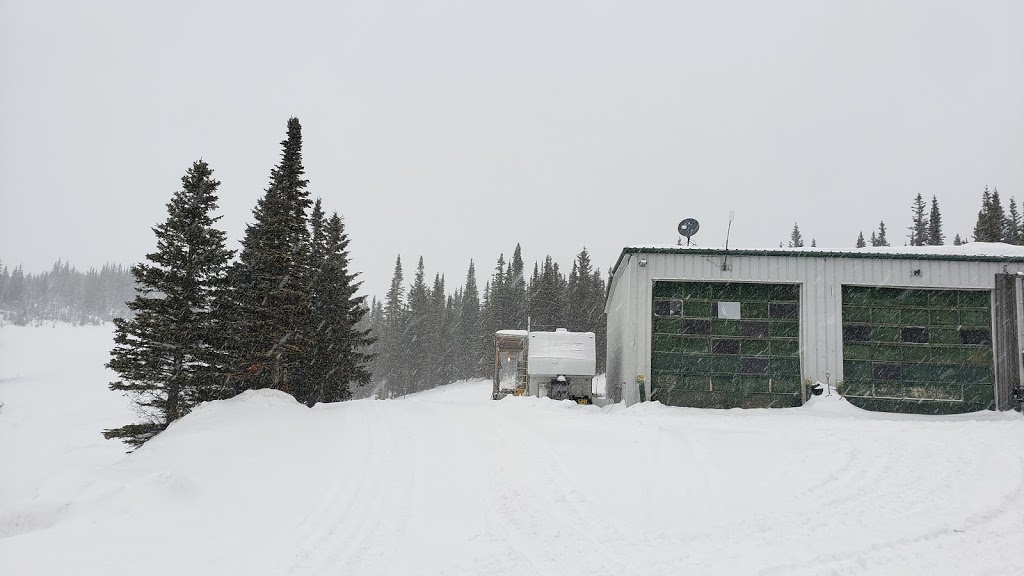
(555, 496)
(332, 535)
(1006, 507)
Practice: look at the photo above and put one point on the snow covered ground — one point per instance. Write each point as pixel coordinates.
(450, 482)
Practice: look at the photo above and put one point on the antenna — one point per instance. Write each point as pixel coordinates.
(728, 232)
(688, 228)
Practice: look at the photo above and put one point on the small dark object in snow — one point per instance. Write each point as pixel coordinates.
(817, 389)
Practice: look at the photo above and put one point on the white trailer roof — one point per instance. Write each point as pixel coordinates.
(569, 353)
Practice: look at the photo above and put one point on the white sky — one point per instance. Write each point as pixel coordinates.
(453, 129)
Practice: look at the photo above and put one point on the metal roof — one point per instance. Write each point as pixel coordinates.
(976, 252)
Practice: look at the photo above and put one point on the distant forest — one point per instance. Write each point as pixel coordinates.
(926, 229)
(427, 337)
(64, 294)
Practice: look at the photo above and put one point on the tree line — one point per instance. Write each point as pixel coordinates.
(428, 337)
(64, 294)
(205, 325)
(993, 225)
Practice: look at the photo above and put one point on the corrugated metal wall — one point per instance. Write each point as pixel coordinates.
(820, 278)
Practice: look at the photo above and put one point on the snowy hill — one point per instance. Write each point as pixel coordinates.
(450, 482)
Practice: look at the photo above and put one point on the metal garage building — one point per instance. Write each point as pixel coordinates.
(929, 330)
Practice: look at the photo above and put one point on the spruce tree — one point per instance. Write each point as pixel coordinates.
(1014, 234)
(4, 279)
(919, 224)
(470, 340)
(416, 336)
(796, 240)
(499, 298)
(998, 218)
(880, 239)
(167, 355)
(438, 348)
(957, 241)
(485, 345)
(860, 240)
(991, 225)
(271, 281)
(392, 361)
(515, 290)
(598, 293)
(338, 348)
(981, 228)
(935, 235)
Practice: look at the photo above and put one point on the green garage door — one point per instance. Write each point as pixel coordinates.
(725, 344)
(919, 351)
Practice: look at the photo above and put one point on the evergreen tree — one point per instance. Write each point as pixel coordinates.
(438, 348)
(860, 239)
(4, 280)
(599, 320)
(879, 239)
(392, 363)
(416, 337)
(991, 219)
(1014, 232)
(957, 241)
(935, 235)
(501, 313)
(271, 281)
(814, 243)
(796, 240)
(470, 341)
(548, 297)
(166, 355)
(339, 348)
(919, 224)
(485, 345)
(515, 290)
(998, 218)
(981, 228)
(17, 297)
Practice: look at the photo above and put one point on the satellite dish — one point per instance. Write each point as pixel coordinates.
(688, 228)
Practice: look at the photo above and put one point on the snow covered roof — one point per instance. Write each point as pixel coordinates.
(522, 333)
(554, 353)
(973, 251)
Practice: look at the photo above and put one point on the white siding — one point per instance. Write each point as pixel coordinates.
(820, 279)
(621, 344)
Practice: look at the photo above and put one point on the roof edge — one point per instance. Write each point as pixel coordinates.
(816, 254)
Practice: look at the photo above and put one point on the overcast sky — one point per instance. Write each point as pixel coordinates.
(454, 129)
